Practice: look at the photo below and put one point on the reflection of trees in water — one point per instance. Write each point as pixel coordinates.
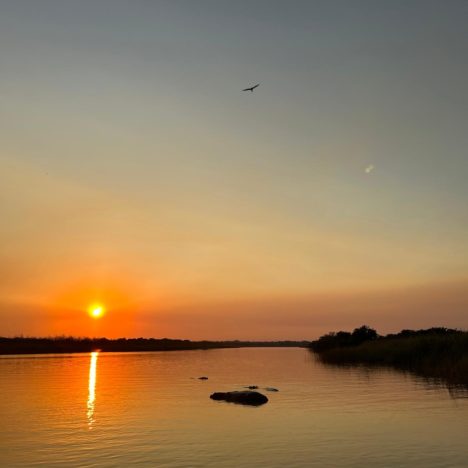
(439, 355)
(431, 383)
(91, 388)
(458, 391)
(370, 371)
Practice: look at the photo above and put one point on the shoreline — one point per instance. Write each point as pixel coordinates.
(70, 345)
(436, 354)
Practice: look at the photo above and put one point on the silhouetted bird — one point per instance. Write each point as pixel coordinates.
(252, 88)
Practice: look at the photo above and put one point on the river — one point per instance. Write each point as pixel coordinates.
(151, 410)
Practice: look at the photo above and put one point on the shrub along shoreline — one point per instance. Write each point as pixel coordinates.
(435, 353)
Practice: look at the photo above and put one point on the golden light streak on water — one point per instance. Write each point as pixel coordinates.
(92, 388)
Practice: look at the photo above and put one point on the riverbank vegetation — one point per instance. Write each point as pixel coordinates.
(63, 344)
(436, 353)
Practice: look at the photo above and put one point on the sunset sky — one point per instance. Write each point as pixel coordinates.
(135, 173)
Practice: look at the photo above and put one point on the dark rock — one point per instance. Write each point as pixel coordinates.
(242, 397)
(252, 387)
(271, 389)
(202, 378)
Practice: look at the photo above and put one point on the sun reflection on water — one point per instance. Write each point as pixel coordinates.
(92, 388)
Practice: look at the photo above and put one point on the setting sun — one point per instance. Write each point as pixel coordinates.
(96, 311)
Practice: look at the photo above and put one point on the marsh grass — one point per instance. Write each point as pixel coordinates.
(437, 356)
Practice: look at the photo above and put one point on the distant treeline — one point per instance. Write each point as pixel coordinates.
(438, 353)
(61, 344)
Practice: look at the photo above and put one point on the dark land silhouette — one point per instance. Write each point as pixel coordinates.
(435, 353)
(62, 344)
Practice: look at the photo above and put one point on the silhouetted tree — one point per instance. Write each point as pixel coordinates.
(362, 334)
(343, 339)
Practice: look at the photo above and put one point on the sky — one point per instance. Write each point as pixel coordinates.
(135, 173)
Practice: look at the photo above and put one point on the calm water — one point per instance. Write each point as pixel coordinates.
(106, 410)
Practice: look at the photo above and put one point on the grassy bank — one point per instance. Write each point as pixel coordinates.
(435, 353)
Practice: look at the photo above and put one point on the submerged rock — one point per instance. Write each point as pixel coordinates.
(271, 389)
(242, 397)
(203, 378)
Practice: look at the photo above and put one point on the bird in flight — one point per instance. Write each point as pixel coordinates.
(252, 88)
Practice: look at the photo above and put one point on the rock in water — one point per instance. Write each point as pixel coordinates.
(242, 398)
(202, 378)
(271, 389)
(252, 387)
